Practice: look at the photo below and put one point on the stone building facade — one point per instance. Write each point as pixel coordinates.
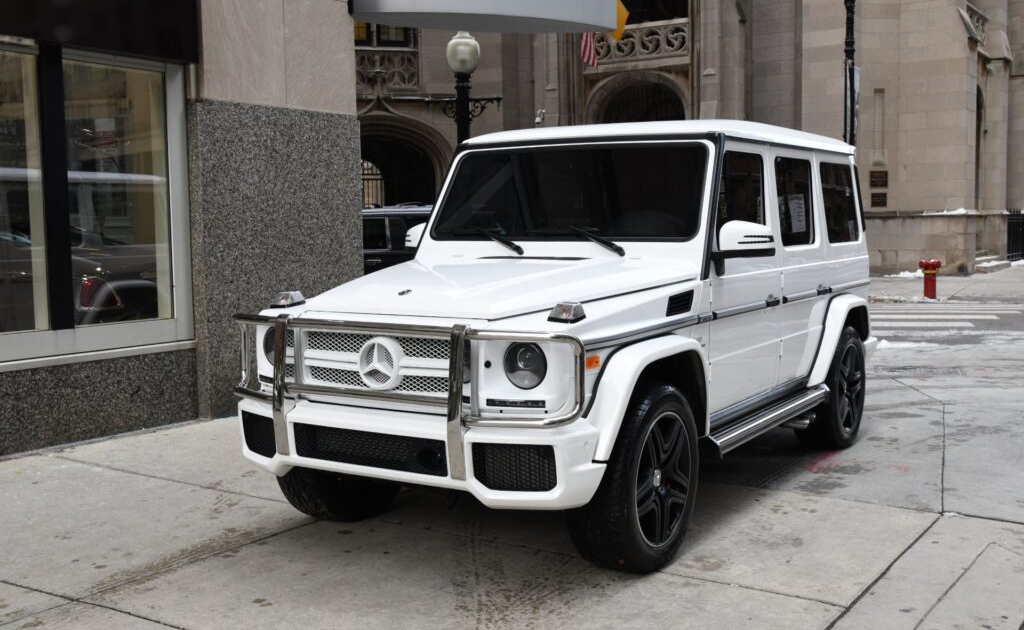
(941, 111)
(198, 155)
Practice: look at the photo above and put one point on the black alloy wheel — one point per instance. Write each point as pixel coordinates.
(850, 389)
(637, 519)
(837, 420)
(663, 480)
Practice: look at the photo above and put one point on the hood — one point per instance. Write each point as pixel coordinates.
(499, 288)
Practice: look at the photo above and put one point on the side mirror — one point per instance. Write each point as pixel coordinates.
(743, 239)
(413, 236)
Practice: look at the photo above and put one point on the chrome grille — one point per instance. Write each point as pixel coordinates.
(425, 348)
(339, 377)
(335, 342)
(333, 358)
(424, 384)
(429, 385)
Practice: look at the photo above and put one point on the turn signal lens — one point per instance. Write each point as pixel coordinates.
(593, 362)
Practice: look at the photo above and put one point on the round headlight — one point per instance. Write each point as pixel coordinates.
(525, 365)
(268, 344)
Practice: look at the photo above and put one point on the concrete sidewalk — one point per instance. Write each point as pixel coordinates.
(919, 525)
(1001, 286)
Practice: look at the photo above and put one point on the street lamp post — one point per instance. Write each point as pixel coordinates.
(463, 56)
(850, 106)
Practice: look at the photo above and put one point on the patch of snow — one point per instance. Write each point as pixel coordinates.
(992, 263)
(907, 275)
(1018, 263)
(957, 212)
(885, 344)
(916, 299)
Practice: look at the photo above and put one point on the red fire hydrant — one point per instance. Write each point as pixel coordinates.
(930, 268)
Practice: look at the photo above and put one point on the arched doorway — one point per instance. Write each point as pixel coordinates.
(639, 96)
(645, 102)
(409, 157)
(400, 173)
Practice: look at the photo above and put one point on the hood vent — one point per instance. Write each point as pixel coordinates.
(679, 304)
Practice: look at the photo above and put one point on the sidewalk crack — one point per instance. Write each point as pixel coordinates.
(924, 617)
(942, 470)
(881, 575)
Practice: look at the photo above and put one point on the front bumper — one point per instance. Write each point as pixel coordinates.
(577, 476)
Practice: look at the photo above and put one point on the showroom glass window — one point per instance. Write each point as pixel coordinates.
(23, 292)
(117, 192)
(93, 214)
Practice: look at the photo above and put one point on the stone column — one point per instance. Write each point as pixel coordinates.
(1015, 131)
(273, 166)
(723, 60)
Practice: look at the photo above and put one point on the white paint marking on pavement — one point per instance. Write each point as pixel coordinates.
(924, 325)
(940, 311)
(933, 317)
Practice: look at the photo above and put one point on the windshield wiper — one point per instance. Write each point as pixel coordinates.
(603, 242)
(489, 233)
(497, 238)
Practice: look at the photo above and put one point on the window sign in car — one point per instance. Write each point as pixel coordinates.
(593, 193)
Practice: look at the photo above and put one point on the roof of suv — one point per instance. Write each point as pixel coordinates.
(733, 128)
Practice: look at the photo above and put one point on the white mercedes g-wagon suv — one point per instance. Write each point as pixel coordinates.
(590, 310)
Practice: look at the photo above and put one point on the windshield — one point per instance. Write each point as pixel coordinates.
(617, 192)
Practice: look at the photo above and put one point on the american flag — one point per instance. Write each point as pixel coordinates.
(588, 49)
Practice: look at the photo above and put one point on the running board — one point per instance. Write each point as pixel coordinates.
(725, 439)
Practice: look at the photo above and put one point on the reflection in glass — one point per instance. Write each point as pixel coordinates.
(23, 297)
(117, 192)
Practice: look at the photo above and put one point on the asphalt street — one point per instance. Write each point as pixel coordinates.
(918, 525)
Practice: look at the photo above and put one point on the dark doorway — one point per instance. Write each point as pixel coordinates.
(644, 103)
(979, 135)
(406, 172)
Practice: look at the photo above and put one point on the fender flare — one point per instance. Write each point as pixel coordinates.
(835, 320)
(615, 388)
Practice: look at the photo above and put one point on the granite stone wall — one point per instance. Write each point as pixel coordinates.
(80, 401)
(275, 197)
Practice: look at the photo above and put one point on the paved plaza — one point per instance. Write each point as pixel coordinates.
(918, 525)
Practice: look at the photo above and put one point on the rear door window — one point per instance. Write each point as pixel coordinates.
(796, 211)
(840, 207)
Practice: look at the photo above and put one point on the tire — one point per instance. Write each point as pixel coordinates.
(837, 420)
(336, 497)
(620, 528)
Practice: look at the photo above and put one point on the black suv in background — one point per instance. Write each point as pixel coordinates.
(384, 234)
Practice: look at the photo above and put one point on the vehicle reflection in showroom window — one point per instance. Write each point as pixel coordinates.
(118, 198)
(23, 292)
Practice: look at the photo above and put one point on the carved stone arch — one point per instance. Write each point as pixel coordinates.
(384, 123)
(607, 90)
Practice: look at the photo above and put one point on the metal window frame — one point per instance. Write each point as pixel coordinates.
(284, 396)
(66, 343)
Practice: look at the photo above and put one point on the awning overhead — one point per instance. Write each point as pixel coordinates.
(504, 16)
